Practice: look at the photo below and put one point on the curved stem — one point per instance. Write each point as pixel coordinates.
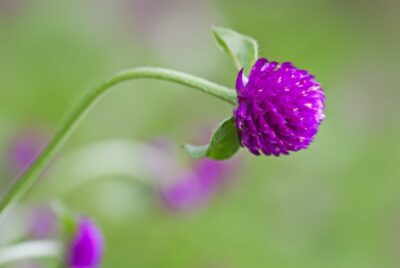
(30, 250)
(29, 177)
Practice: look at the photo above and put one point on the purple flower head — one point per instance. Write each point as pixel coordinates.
(24, 148)
(42, 222)
(279, 108)
(195, 187)
(87, 246)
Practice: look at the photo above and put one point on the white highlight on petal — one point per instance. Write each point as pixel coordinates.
(245, 79)
(308, 105)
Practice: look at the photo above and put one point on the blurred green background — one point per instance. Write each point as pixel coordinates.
(334, 205)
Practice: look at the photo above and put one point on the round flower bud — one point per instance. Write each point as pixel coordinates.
(86, 247)
(279, 108)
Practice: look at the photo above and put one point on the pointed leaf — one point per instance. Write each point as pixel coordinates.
(242, 49)
(196, 151)
(223, 145)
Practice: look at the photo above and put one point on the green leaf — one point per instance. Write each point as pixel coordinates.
(67, 219)
(223, 145)
(242, 49)
(196, 151)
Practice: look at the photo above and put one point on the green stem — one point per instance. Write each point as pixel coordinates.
(29, 177)
(30, 250)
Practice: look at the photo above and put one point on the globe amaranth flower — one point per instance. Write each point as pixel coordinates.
(42, 222)
(24, 148)
(195, 187)
(87, 246)
(279, 108)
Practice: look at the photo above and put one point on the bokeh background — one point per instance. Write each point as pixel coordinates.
(334, 205)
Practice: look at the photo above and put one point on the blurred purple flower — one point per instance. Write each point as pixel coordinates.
(43, 222)
(7, 6)
(279, 108)
(87, 246)
(24, 148)
(195, 187)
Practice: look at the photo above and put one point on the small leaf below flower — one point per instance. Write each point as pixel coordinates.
(242, 49)
(67, 219)
(224, 143)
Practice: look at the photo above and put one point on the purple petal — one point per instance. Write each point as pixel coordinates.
(240, 84)
(87, 246)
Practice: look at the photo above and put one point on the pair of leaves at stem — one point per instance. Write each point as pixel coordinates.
(224, 142)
